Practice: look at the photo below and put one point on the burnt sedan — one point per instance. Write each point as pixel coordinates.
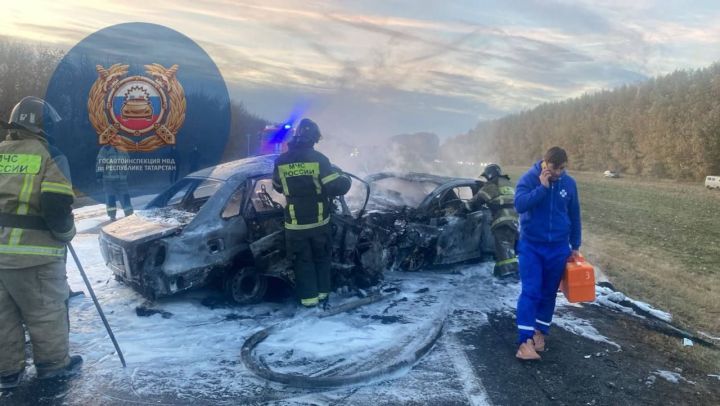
(225, 224)
(426, 220)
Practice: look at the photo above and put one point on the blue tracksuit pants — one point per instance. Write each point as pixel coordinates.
(541, 268)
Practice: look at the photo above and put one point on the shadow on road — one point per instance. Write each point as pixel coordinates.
(576, 370)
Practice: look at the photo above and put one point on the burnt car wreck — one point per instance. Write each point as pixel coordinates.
(426, 220)
(224, 224)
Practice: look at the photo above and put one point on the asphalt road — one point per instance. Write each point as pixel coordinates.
(476, 366)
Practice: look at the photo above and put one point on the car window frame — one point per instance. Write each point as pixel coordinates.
(373, 185)
(240, 187)
(190, 191)
(248, 205)
(432, 201)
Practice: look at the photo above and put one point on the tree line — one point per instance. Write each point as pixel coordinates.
(25, 70)
(668, 127)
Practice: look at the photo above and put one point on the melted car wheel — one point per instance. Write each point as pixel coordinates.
(246, 285)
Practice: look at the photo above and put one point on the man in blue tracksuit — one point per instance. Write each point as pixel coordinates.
(550, 230)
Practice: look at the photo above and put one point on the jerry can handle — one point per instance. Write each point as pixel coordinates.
(579, 258)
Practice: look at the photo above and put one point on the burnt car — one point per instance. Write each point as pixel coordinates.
(427, 221)
(224, 224)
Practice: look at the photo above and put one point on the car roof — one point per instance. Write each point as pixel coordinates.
(411, 176)
(246, 167)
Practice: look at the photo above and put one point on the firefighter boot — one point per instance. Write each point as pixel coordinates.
(526, 351)
(539, 340)
(324, 303)
(72, 368)
(506, 259)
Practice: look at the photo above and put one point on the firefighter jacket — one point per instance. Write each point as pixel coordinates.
(111, 164)
(35, 198)
(308, 182)
(499, 195)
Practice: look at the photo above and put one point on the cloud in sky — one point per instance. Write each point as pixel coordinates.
(376, 68)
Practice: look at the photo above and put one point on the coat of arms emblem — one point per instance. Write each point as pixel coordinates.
(137, 113)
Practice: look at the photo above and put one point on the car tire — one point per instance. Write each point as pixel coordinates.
(245, 286)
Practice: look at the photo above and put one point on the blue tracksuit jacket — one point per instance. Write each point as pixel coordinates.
(548, 214)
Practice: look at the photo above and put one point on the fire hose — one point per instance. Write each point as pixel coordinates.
(260, 368)
(97, 304)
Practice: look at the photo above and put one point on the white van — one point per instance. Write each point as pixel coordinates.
(712, 182)
(611, 174)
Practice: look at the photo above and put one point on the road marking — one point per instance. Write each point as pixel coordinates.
(472, 384)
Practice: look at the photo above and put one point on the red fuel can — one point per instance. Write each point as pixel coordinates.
(578, 283)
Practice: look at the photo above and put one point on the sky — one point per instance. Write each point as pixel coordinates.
(365, 70)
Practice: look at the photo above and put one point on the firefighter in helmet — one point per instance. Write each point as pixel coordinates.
(309, 182)
(36, 222)
(498, 194)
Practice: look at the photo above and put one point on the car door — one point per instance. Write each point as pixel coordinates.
(234, 227)
(264, 214)
(461, 233)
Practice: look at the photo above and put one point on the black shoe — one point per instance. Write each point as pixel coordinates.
(10, 381)
(71, 369)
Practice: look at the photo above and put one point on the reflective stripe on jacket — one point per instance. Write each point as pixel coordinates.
(308, 182)
(500, 199)
(27, 176)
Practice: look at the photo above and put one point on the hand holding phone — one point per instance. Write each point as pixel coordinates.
(545, 174)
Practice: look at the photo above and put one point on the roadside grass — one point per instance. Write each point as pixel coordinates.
(658, 241)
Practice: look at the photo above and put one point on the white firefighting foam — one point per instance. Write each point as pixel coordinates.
(195, 353)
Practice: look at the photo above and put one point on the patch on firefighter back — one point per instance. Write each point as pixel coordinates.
(563, 193)
(299, 169)
(20, 163)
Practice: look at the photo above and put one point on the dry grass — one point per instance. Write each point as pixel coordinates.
(650, 275)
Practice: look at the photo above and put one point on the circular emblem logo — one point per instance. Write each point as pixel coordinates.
(122, 109)
(141, 103)
(136, 105)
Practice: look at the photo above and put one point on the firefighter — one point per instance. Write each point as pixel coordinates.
(110, 169)
(35, 224)
(499, 195)
(309, 182)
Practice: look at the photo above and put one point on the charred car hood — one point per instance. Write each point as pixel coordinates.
(144, 227)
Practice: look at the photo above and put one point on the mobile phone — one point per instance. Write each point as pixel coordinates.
(543, 165)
